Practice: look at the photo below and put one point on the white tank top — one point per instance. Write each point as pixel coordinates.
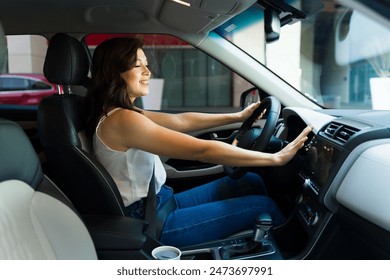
(131, 170)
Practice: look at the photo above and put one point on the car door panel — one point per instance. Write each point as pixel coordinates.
(184, 174)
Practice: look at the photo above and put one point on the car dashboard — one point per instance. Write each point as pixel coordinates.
(344, 168)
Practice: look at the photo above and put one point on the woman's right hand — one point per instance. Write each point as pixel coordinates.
(288, 152)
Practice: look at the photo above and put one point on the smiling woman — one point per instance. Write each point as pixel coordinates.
(204, 59)
(124, 141)
(137, 78)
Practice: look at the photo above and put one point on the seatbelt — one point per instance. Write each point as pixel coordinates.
(150, 210)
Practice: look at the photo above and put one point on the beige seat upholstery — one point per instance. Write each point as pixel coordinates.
(37, 221)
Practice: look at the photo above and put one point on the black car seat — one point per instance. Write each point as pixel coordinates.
(37, 221)
(61, 123)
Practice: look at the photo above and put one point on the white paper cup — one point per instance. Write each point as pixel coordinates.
(166, 253)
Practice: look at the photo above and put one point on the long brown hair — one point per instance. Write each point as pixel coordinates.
(108, 89)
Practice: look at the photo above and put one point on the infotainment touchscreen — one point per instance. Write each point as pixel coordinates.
(319, 161)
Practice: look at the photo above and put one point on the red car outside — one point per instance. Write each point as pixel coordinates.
(24, 89)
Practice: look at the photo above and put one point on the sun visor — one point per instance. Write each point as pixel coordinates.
(196, 16)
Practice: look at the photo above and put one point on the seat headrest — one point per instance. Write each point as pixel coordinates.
(18, 159)
(66, 61)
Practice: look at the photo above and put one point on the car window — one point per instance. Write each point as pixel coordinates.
(22, 81)
(183, 77)
(37, 85)
(13, 84)
(337, 57)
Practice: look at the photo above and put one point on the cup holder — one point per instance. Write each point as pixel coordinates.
(200, 254)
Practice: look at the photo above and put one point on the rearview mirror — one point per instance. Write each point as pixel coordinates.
(271, 25)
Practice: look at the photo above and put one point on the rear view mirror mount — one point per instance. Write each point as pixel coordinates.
(272, 25)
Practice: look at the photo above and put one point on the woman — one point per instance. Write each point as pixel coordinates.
(128, 142)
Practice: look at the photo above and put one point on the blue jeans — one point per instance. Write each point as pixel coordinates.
(217, 210)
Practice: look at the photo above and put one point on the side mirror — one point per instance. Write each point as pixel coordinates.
(249, 96)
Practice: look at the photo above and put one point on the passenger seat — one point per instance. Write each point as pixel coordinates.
(37, 221)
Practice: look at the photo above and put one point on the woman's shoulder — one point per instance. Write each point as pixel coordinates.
(118, 125)
(121, 117)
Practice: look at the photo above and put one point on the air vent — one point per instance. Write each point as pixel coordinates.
(332, 128)
(339, 132)
(345, 133)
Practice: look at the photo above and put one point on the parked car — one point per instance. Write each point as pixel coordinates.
(325, 62)
(24, 89)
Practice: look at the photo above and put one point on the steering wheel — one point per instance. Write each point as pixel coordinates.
(253, 138)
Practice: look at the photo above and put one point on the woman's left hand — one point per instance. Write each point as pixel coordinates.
(248, 111)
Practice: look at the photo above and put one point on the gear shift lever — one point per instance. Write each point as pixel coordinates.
(262, 225)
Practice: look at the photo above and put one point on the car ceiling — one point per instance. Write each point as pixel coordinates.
(117, 16)
(48, 17)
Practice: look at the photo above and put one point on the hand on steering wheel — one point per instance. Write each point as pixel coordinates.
(235, 140)
(251, 139)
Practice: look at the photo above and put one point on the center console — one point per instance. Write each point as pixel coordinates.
(252, 245)
(235, 248)
(318, 165)
(117, 237)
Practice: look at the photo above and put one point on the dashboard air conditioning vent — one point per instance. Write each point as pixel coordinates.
(340, 132)
(345, 133)
(332, 128)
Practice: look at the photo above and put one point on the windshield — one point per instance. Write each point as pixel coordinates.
(337, 57)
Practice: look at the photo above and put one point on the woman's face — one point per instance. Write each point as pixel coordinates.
(137, 78)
